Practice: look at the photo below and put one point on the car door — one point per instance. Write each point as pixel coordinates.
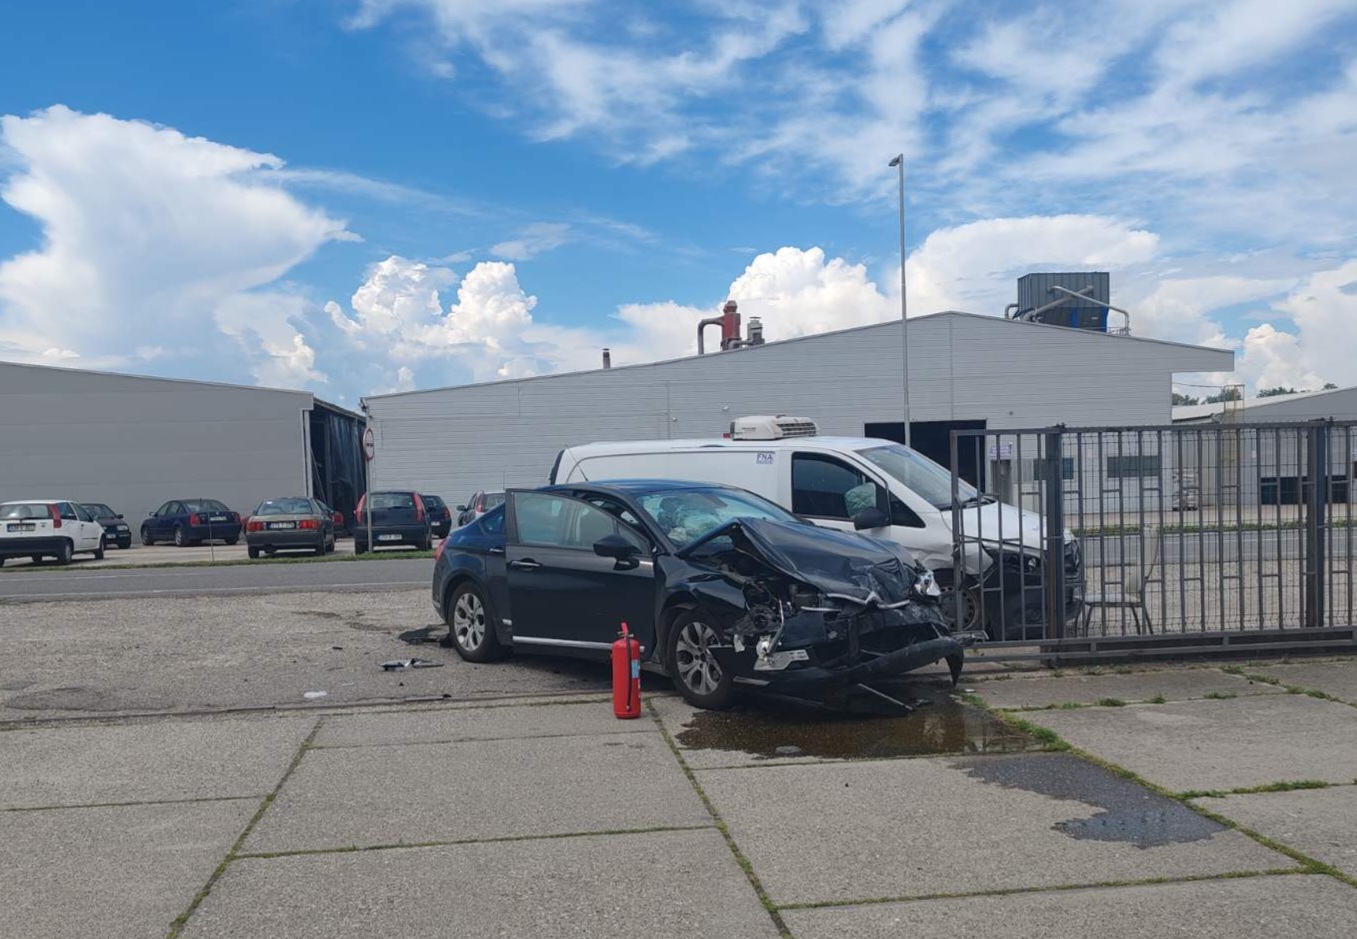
(91, 532)
(165, 520)
(830, 492)
(561, 594)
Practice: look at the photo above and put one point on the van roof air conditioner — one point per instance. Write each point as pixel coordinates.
(771, 427)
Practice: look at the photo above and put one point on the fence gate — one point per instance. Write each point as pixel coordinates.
(1106, 540)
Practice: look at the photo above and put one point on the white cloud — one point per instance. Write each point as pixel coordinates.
(148, 237)
(534, 239)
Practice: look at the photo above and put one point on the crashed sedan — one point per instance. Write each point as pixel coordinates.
(723, 588)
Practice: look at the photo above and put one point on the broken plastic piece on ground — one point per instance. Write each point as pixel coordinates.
(401, 664)
(311, 695)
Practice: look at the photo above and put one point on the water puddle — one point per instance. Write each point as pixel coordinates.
(777, 730)
(1130, 813)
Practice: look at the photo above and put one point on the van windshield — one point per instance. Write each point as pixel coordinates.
(918, 473)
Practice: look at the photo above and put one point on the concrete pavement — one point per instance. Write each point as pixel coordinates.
(548, 817)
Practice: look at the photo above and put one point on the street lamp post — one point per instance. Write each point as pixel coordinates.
(899, 161)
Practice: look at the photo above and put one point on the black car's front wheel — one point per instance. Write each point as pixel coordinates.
(471, 629)
(692, 662)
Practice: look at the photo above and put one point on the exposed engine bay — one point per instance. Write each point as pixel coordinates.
(840, 607)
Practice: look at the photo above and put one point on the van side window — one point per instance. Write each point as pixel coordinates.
(903, 515)
(823, 487)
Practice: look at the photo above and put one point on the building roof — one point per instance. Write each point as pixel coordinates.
(1074, 335)
(1254, 408)
(49, 369)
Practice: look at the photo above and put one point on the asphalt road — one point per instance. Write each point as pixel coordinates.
(206, 581)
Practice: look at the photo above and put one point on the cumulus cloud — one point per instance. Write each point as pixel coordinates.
(150, 239)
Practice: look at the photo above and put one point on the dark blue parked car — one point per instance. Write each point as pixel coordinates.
(191, 522)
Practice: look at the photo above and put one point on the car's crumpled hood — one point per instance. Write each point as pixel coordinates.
(834, 562)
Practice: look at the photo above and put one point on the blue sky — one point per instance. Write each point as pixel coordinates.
(356, 196)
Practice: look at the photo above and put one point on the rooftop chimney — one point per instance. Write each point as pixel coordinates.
(607, 358)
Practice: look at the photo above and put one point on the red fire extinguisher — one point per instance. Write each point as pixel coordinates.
(626, 675)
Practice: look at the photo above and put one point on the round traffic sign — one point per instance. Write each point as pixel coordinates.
(369, 445)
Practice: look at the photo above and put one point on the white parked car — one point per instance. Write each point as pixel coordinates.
(43, 528)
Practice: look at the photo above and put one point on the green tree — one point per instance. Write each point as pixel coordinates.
(1225, 394)
(1328, 386)
(1279, 390)
(1180, 400)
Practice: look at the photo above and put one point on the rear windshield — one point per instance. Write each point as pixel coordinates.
(393, 500)
(285, 507)
(25, 510)
(99, 510)
(493, 499)
(204, 505)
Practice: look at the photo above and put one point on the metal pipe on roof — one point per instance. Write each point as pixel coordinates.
(1081, 295)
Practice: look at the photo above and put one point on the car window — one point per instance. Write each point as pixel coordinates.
(25, 510)
(557, 521)
(205, 505)
(687, 515)
(492, 523)
(67, 511)
(82, 513)
(286, 507)
(99, 510)
(824, 487)
(493, 499)
(927, 479)
(172, 508)
(393, 500)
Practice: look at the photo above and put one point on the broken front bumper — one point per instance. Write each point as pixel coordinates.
(811, 677)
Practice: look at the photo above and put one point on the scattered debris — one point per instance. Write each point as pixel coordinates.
(312, 695)
(401, 664)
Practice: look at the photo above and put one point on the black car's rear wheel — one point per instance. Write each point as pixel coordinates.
(471, 627)
(253, 553)
(692, 662)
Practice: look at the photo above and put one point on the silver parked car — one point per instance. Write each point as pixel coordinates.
(297, 523)
(480, 503)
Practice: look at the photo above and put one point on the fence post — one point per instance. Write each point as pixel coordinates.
(1053, 564)
(1316, 521)
(958, 537)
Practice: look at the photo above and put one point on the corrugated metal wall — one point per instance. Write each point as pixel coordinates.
(136, 442)
(962, 367)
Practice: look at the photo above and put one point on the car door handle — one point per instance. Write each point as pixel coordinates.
(527, 564)
(497, 551)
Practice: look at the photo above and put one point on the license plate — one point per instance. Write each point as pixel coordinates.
(217, 518)
(282, 524)
(388, 537)
(13, 526)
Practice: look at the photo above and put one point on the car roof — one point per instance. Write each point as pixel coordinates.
(636, 487)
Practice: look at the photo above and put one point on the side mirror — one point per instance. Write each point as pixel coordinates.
(119, 516)
(616, 547)
(870, 518)
(461, 508)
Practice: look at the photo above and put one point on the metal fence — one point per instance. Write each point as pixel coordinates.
(1192, 537)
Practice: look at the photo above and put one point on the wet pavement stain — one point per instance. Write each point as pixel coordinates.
(775, 730)
(1130, 813)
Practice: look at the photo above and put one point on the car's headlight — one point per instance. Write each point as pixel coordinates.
(1019, 561)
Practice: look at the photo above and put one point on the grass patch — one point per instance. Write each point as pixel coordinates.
(1219, 695)
(231, 562)
(1049, 739)
(1159, 699)
(1110, 703)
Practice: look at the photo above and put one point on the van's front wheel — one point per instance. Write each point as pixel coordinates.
(969, 619)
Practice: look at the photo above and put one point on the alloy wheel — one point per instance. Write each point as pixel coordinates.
(696, 665)
(468, 621)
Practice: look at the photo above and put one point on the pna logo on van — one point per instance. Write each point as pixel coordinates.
(765, 458)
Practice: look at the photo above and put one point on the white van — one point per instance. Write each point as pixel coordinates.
(878, 487)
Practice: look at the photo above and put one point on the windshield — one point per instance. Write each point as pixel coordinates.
(285, 507)
(493, 499)
(687, 515)
(205, 505)
(99, 510)
(918, 473)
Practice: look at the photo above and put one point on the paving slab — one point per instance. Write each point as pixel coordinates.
(485, 723)
(764, 734)
(1336, 678)
(1320, 823)
(906, 828)
(1316, 907)
(364, 796)
(124, 871)
(1174, 684)
(1218, 745)
(658, 884)
(147, 762)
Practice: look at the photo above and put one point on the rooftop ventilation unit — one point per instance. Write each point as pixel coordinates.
(771, 427)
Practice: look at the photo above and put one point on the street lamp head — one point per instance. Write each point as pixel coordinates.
(900, 158)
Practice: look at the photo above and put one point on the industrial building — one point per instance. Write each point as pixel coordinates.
(134, 443)
(966, 372)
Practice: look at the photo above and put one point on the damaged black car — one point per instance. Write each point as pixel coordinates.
(724, 589)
